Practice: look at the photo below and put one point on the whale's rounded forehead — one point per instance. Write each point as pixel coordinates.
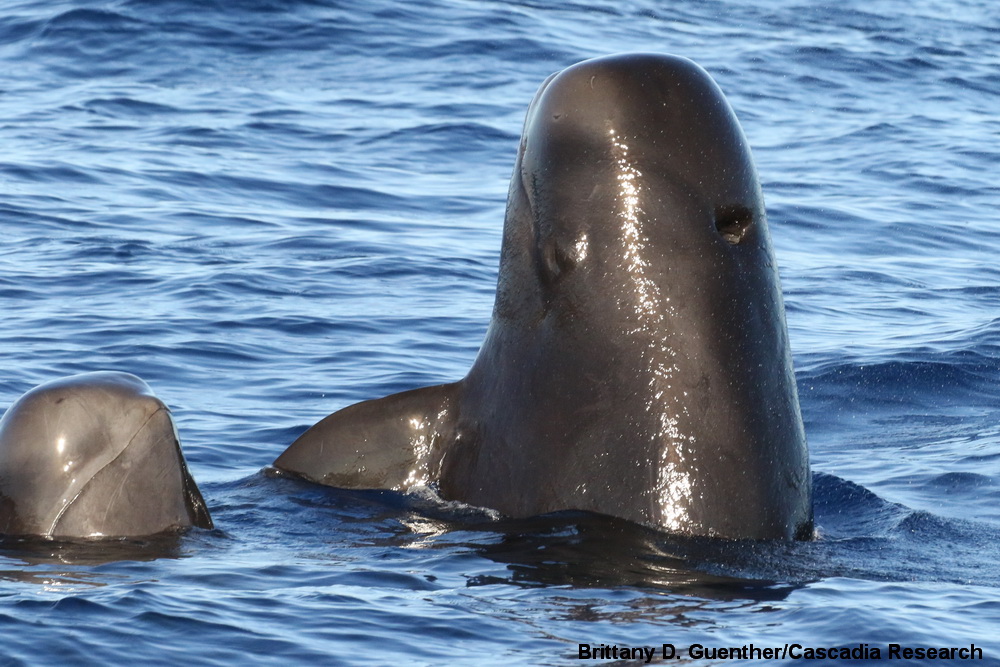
(632, 89)
(658, 121)
(74, 416)
(631, 71)
(111, 382)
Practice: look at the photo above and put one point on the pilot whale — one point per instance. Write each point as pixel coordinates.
(94, 455)
(637, 362)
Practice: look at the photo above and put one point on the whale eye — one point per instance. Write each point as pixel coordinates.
(733, 222)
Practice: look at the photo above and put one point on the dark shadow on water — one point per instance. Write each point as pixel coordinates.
(860, 536)
(571, 548)
(582, 549)
(47, 561)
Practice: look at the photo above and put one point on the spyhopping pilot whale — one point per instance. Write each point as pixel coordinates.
(637, 362)
(94, 455)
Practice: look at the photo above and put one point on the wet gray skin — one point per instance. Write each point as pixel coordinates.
(637, 362)
(94, 455)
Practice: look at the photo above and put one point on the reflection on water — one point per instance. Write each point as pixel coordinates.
(582, 549)
(570, 548)
(69, 564)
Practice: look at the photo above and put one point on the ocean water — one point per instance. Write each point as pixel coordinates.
(272, 209)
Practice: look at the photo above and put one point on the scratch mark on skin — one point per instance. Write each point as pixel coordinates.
(69, 503)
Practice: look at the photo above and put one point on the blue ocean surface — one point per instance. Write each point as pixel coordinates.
(271, 209)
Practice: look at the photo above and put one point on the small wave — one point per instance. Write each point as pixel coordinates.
(127, 107)
(450, 134)
(50, 174)
(919, 378)
(961, 481)
(845, 509)
(86, 21)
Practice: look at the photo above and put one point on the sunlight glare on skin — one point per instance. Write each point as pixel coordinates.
(581, 247)
(421, 448)
(673, 487)
(422, 444)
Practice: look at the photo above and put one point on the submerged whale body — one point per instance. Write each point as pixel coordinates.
(94, 455)
(637, 362)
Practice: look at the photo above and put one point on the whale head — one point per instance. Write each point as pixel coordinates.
(94, 455)
(637, 362)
